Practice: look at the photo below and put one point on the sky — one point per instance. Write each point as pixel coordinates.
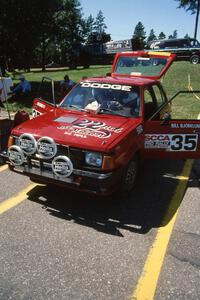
(121, 16)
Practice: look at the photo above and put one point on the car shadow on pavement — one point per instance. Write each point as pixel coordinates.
(141, 211)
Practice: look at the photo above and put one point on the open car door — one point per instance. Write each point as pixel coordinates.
(46, 99)
(176, 133)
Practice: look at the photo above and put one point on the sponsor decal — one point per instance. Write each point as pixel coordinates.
(171, 142)
(185, 125)
(97, 85)
(87, 128)
(35, 113)
(41, 105)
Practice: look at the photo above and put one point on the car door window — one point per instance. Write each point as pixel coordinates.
(160, 99)
(149, 103)
(186, 107)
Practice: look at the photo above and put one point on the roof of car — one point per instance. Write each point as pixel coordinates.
(121, 80)
(171, 40)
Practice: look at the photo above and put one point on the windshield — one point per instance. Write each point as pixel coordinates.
(140, 66)
(104, 98)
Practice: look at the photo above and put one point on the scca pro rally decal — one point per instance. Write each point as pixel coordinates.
(171, 142)
(97, 85)
(87, 128)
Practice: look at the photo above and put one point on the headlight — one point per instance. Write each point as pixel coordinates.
(93, 159)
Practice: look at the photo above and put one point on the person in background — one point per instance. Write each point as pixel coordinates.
(23, 88)
(6, 85)
(66, 85)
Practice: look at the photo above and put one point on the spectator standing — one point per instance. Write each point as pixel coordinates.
(6, 85)
(23, 88)
(66, 85)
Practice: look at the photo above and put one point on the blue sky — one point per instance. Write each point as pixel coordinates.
(121, 16)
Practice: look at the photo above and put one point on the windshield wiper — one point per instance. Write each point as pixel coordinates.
(113, 112)
(76, 107)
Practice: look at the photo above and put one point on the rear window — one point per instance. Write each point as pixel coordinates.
(140, 66)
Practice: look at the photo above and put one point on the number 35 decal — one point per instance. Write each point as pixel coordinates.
(171, 142)
(183, 142)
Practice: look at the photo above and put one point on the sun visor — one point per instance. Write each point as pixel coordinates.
(144, 64)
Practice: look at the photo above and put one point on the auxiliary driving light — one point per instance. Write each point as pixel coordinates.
(46, 147)
(27, 143)
(16, 155)
(62, 166)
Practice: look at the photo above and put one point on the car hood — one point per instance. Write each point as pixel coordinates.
(96, 132)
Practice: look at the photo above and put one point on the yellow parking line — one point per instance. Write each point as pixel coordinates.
(3, 168)
(13, 201)
(147, 283)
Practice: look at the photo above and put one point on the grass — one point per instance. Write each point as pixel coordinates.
(178, 77)
(185, 106)
(75, 75)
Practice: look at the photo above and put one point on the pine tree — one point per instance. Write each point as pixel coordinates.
(139, 35)
(187, 36)
(89, 24)
(100, 25)
(99, 35)
(161, 35)
(151, 36)
(175, 34)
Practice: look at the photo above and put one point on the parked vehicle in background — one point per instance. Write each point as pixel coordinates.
(185, 49)
(116, 46)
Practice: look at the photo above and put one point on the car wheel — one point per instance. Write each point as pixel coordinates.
(194, 59)
(129, 176)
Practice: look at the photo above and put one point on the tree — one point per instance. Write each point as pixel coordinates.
(194, 7)
(161, 35)
(89, 28)
(71, 31)
(23, 25)
(100, 25)
(47, 29)
(99, 35)
(151, 36)
(36, 31)
(139, 35)
(187, 36)
(174, 35)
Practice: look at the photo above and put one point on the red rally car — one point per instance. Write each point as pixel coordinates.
(95, 138)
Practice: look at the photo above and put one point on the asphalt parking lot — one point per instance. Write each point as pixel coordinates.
(59, 244)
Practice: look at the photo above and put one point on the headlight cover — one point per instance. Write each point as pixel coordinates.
(93, 159)
(27, 143)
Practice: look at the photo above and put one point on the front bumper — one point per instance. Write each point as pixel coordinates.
(83, 180)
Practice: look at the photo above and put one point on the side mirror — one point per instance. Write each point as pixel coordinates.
(166, 118)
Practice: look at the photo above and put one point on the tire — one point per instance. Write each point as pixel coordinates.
(129, 176)
(195, 59)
